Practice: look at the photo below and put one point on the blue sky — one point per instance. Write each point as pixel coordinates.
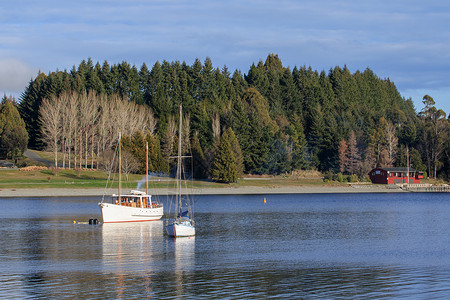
(407, 41)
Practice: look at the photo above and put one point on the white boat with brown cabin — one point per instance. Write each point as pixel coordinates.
(136, 206)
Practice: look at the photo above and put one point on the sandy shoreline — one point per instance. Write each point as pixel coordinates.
(303, 189)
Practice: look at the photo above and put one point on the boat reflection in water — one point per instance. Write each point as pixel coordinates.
(184, 250)
(131, 247)
(132, 250)
(184, 253)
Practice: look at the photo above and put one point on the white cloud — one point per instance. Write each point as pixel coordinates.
(406, 41)
(15, 76)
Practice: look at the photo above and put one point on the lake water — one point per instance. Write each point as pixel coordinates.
(359, 246)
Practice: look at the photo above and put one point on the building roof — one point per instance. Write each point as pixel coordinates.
(398, 169)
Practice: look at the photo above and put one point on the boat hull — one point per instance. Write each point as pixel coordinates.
(113, 213)
(180, 230)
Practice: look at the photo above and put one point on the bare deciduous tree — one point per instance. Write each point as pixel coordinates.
(50, 118)
(343, 156)
(129, 163)
(390, 144)
(216, 126)
(71, 113)
(151, 120)
(368, 163)
(88, 124)
(169, 137)
(354, 158)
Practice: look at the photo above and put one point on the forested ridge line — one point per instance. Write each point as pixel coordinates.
(276, 119)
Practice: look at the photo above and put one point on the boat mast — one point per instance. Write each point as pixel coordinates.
(120, 146)
(146, 168)
(407, 163)
(179, 164)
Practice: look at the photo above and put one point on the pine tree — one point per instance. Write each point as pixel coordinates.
(316, 136)
(106, 78)
(343, 156)
(200, 169)
(239, 159)
(13, 135)
(29, 110)
(144, 83)
(224, 166)
(157, 98)
(201, 123)
(157, 163)
(137, 148)
(273, 94)
(298, 143)
(257, 78)
(258, 106)
(239, 84)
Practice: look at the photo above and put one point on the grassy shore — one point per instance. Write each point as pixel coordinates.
(16, 183)
(50, 178)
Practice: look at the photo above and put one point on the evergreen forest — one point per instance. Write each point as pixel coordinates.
(270, 120)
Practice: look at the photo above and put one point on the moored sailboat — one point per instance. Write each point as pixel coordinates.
(183, 225)
(135, 206)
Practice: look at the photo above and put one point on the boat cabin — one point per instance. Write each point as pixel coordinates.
(135, 199)
(395, 175)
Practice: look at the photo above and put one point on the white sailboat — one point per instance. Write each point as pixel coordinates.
(183, 225)
(136, 206)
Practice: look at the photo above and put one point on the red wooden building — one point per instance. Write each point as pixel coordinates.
(394, 175)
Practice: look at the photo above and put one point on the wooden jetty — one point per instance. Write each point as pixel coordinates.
(427, 188)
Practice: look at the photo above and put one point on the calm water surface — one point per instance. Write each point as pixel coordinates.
(357, 246)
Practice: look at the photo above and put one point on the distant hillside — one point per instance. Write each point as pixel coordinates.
(283, 119)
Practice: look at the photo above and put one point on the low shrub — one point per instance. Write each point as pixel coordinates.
(353, 178)
(32, 168)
